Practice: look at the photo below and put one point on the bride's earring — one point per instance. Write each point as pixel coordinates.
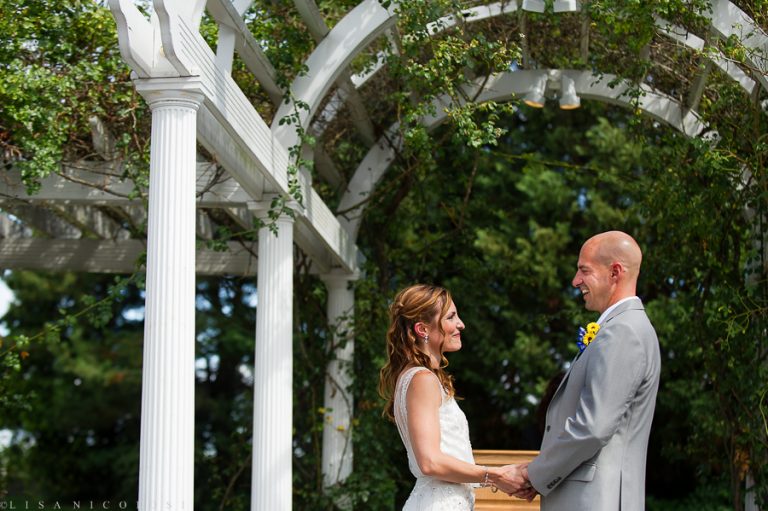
(426, 338)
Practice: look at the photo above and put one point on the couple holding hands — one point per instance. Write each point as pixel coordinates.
(593, 452)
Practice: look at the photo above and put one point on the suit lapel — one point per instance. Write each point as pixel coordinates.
(633, 304)
(628, 305)
(565, 378)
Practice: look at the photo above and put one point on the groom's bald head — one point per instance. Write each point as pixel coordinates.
(617, 247)
(607, 270)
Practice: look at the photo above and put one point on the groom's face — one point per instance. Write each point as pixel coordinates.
(593, 279)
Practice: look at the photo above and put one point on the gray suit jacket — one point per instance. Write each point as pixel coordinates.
(598, 422)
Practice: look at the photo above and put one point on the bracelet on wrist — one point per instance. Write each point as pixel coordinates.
(486, 481)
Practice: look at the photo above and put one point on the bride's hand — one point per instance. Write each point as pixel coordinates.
(509, 479)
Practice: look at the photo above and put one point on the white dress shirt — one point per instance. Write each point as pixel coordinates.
(609, 309)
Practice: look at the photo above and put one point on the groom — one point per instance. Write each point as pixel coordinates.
(594, 448)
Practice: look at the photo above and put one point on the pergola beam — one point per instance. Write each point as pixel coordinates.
(360, 119)
(43, 221)
(728, 20)
(227, 123)
(97, 184)
(359, 116)
(122, 256)
(74, 221)
(90, 221)
(503, 87)
(680, 34)
(698, 85)
(326, 167)
(312, 18)
(584, 40)
(328, 62)
(247, 47)
(713, 55)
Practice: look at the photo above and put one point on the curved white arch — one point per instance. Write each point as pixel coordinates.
(331, 57)
(726, 18)
(696, 43)
(504, 87)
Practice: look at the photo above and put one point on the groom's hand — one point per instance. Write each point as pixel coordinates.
(528, 492)
(510, 479)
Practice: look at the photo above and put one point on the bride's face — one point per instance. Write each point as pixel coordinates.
(452, 327)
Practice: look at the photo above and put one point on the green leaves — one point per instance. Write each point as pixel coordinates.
(493, 204)
(434, 68)
(60, 65)
(525, 205)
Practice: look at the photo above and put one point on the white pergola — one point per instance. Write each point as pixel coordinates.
(87, 211)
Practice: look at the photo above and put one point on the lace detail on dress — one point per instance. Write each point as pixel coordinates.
(430, 494)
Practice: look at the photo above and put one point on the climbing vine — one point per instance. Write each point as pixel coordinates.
(493, 203)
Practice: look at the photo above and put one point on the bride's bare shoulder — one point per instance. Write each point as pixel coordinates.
(406, 369)
(423, 378)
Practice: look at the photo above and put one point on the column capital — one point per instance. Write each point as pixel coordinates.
(184, 91)
(338, 278)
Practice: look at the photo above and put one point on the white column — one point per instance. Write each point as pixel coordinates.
(271, 487)
(337, 435)
(166, 465)
(750, 496)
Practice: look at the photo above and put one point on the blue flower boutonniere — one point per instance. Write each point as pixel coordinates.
(587, 335)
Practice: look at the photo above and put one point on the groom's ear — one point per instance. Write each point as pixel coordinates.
(616, 269)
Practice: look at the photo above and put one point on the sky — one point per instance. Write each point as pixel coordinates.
(6, 297)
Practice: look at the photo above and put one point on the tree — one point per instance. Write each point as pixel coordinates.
(494, 205)
(81, 389)
(59, 68)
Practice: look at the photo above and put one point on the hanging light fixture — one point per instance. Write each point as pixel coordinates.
(569, 100)
(533, 5)
(535, 96)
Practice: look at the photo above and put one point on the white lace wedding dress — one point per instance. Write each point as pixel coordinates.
(432, 494)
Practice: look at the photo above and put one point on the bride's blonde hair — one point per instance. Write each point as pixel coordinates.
(417, 303)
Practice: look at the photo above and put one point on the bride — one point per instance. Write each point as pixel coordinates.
(424, 324)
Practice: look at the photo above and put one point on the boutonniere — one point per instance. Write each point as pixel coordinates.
(587, 335)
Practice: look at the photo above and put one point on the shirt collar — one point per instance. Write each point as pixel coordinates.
(607, 311)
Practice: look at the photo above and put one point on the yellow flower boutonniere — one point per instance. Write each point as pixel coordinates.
(587, 335)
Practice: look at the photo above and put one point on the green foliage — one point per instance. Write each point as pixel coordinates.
(706, 250)
(60, 66)
(81, 386)
(427, 66)
(494, 205)
(502, 228)
(96, 310)
(710, 497)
